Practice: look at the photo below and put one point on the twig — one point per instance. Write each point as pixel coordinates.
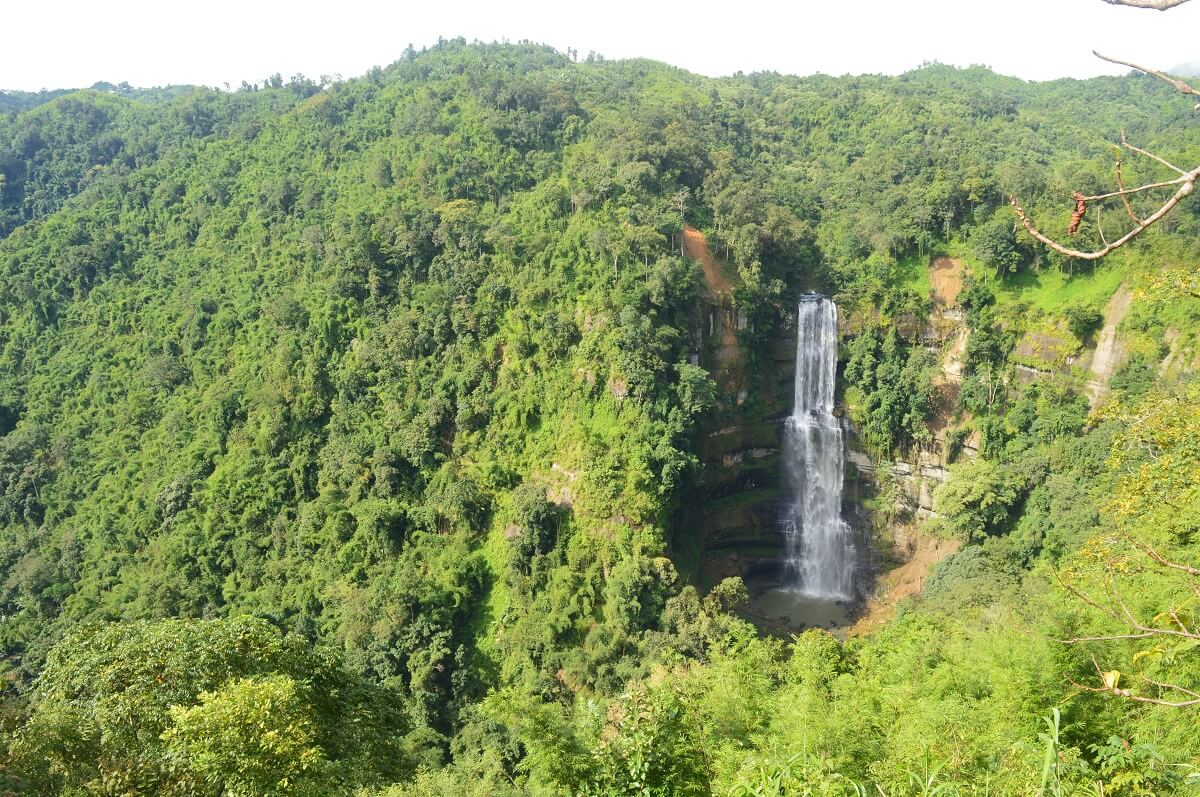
(1125, 615)
(1140, 188)
(1128, 693)
(1177, 688)
(1109, 638)
(1125, 143)
(1174, 81)
(1084, 598)
(1124, 196)
(1164, 561)
(1182, 626)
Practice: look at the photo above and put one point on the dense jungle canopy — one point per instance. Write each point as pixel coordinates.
(346, 429)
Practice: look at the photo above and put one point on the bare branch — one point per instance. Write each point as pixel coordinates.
(1136, 624)
(1155, 5)
(1128, 694)
(1175, 687)
(1109, 638)
(1157, 702)
(1186, 187)
(1164, 561)
(1129, 618)
(1174, 81)
(1182, 626)
(1113, 689)
(1139, 189)
(1125, 143)
(1124, 196)
(1168, 703)
(1122, 613)
(1084, 597)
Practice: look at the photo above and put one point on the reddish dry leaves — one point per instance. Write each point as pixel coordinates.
(1077, 216)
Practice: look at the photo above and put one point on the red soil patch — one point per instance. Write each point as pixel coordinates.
(919, 552)
(946, 274)
(728, 355)
(695, 246)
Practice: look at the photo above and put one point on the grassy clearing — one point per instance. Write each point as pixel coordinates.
(912, 272)
(1051, 290)
(1048, 290)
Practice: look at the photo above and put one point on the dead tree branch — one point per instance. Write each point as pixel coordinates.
(1156, 5)
(1179, 85)
(1127, 191)
(1111, 686)
(1128, 694)
(1186, 181)
(1125, 143)
(1164, 561)
(1124, 196)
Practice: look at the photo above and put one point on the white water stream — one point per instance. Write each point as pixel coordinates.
(820, 548)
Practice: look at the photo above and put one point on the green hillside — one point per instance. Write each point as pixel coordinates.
(347, 433)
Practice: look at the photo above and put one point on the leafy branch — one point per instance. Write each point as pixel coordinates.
(1167, 625)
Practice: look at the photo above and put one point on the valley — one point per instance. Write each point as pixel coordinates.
(502, 423)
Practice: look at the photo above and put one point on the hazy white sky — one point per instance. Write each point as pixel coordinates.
(68, 43)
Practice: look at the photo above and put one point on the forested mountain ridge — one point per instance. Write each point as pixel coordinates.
(401, 367)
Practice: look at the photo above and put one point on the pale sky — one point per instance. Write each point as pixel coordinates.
(70, 43)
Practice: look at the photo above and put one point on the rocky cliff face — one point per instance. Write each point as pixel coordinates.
(738, 500)
(916, 479)
(729, 526)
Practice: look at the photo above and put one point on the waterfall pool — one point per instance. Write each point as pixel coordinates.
(798, 610)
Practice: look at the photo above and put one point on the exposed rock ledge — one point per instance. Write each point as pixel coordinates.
(917, 480)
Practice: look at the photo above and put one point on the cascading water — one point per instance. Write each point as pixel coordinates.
(820, 549)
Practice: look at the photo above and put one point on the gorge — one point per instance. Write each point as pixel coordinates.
(497, 424)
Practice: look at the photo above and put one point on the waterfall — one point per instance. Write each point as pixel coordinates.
(820, 549)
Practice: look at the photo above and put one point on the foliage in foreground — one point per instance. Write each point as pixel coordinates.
(203, 707)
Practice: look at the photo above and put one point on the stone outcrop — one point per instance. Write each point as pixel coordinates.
(728, 525)
(735, 509)
(917, 480)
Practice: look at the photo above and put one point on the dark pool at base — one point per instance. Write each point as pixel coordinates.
(798, 610)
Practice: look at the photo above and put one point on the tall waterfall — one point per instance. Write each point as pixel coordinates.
(820, 550)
